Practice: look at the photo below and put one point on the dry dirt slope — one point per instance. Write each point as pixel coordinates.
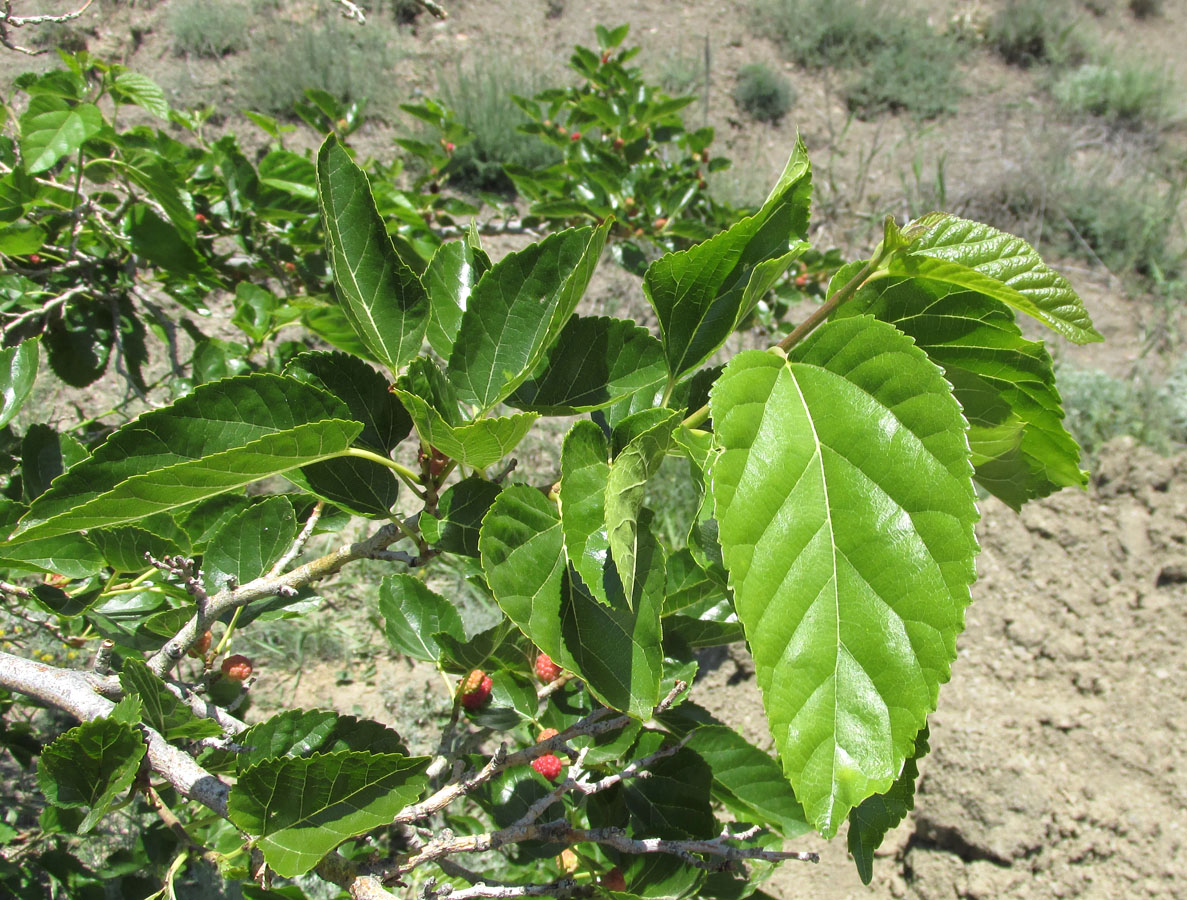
(1058, 766)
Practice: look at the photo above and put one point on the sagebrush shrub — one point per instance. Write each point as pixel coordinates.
(762, 93)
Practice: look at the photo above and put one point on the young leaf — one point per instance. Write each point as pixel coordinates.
(18, 371)
(301, 809)
(461, 508)
(517, 312)
(853, 603)
(625, 487)
(249, 544)
(223, 436)
(594, 363)
(383, 299)
(980, 258)
(701, 294)
(92, 765)
(450, 278)
(413, 614)
(297, 733)
(584, 473)
(160, 708)
(1004, 383)
(869, 822)
(52, 129)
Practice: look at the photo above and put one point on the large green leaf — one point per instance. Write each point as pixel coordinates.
(450, 278)
(674, 800)
(72, 555)
(94, 764)
(223, 436)
(381, 296)
(249, 544)
(18, 371)
(297, 732)
(869, 822)
(362, 486)
(1005, 383)
(701, 294)
(461, 509)
(46, 454)
(302, 808)
(844, 496)
(52, 129)
(980, 258)
(595, 362)
(522, 553)
(413, 614)
(124, 547)
(517, 311)
(626, 485)
(160, 708)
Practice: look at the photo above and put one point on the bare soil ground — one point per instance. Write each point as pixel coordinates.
(1058, 752)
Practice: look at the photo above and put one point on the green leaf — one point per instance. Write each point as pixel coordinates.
(846, 514)
(52, 129)
(18, 371)
(517, 311)
(625, 488)
(21, 239)
(700, 633)
(160, 708)
(594, 363)
(299, 733)
(673, 801)
(72, 555)
(500, 646)
(430, 401)
(1004, 383)
(980, 258)
(450, 278)
(248, 544)
(361, 486)
(46, 454)
(461, 509)
(124, 547)
(162, 243)
(869, 822)
(748, 782)
(523, 558)
(616, 648)
(701, 294)
(93, 765)
(132, 87)
(413, 614)
(301, 809)
(223, 436)
(584, 473)
(381, 295)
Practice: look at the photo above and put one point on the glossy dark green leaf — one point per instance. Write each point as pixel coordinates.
(18, 371)
(248, 544)
(162, 243)
(300, 809)
(92, 765)
(869, 822)
(160, 708)
(517, 311)
(978, 257)
(673, 801)
(595, 362)
(364, 391)
(846, 510)
(413, 614)
(221, 437)
(698, 634)
(202, 520)
(500, 646)
(361, 486)
(1004, 383)
(450, 278)
(381, 296)
(584, 472)
(300, 733)
(461, 509)
(701, 294)
(46, 454)
(123, 547)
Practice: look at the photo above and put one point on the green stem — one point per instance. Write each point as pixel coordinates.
(226, 638)
(403, 471)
